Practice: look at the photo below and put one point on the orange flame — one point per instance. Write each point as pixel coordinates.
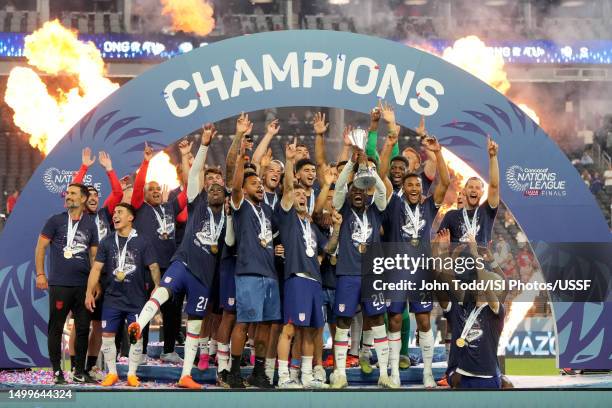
(190, 16)
(530, 112)
(162, 171)
(55, 50)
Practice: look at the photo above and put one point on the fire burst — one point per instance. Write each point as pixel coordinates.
(56, 51)
(162, 171)
(191, 16)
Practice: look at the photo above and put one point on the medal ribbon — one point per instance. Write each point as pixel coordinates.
(261, 217)
(273, 201)
(471, 225)
(471, 320)
(307, 233)
(71, 231)
(123, 252)
(160, 220)
(215, 229)
(415, 218)
(363, 224)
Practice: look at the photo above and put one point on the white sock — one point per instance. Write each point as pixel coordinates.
(212, 347)
(191, 345)
(283, 369)
(223, 357)
(203, 344)
(269, 368)
(109, 351)
(367, 341)
(381, 345)
(306, 368)
(426, 342)
(150, 309)
(356, 329)
(134, 357)
(395, 345)
(340, 349)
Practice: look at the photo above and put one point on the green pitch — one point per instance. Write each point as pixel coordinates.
(531, 366)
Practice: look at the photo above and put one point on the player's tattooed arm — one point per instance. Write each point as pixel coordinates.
(493, 196)
(155, 273)
(332, 243)
(290, 152)
(243, 127)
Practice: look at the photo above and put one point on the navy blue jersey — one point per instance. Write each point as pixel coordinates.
(425, 183)
(253, 258)
(200, 249)
(479, 355)
(328, 269)
(129, 294)
(351, 234)
(398, 226)
(294, 242)
(147, 224)
(75, 270)
(272, 199)
(104, 224)
(453, 220)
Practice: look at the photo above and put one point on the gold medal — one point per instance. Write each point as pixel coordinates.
(414, 242)
(460, 342)
(67, 254)
(164, 236)
(362, 248)
(263, 243)
(333, 260)
(120, 275)
(214, 248)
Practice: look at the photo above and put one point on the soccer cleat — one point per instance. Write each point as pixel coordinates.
(404, 362)
(337, 380)
(329, 361)
(319, 374)
(395, 377)
(222, 379)
(134, 332)
(187, 382)
(567, 371)
(173, 358)
(259, 380)
(384, 381)
(364, 363)
(351, 361)
(132, 381)
(286, 383)
(443, 382)
(58, 378)
(428, 380)
(203, 362)
(96, 373)
(110, 380)
(235, 380)
(83, 378)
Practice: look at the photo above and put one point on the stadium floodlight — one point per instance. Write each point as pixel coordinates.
(339, 2)
(572, 3)
(496, 3)
(415, 2)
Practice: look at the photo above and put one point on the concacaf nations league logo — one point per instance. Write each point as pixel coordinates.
(56, 180)
(534, 182)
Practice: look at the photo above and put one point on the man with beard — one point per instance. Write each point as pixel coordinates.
(360, 229)
(157, 221)
(408, 220)
(73, 239)
(124, 256)
(192, 268)
(303, 302)
(102, 217)
(474, 218)
(257, 291)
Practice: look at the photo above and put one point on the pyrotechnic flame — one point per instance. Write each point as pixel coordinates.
(162, 171)
(190, 16)
(55, 50)
(530, 112)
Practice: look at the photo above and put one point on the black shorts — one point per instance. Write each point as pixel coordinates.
(97, 313)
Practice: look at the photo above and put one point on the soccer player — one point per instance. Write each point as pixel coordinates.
(303, 302)
(73, 239)
(408, 219)
(124, 256)
(306, 174)
(474, 218)
(360, 228)
(157, 221)
(257, 291)
(192, 268)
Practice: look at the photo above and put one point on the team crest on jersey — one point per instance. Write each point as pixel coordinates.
(408, 230)
(302, 317)
(231, 301)
(341, 307)
(167, 279)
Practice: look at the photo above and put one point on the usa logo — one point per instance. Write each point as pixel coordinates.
(167, 279)
(59, 304)
(302, 317)
(341, 307)
(230, 301)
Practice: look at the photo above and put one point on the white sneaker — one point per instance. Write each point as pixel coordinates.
(310, 382)
(97, 374)
(295, 374)
(287, 383)
(173, 358)
(319, 374)
(384, 381)
(337, 380)
(428, 380)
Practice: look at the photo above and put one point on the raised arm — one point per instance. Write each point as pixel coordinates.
(271, 130)
(194, 184)
(373, 132)
(345, 152)
(493, 196)
(332, 243)
(116, 194)
(385, 158)
(184, 147)
(327, 179)
(287, 199)
(432, 145)
(141, 178)
(238, 177)
(87, 159)
(382, 193)
(243, 126)
(341, 183)
(320, 127)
